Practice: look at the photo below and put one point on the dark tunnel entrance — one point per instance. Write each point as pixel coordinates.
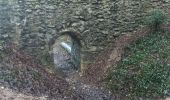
(66, 52)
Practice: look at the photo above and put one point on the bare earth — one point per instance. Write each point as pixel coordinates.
(93, 76)
(9, 94)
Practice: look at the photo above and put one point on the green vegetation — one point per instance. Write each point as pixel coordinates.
(144, 71)
(154, 19)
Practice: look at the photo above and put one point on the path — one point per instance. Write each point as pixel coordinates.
(86, 91)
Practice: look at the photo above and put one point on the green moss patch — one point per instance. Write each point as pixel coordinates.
(144, 70)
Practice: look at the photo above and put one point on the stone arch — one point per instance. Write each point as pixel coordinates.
(66, 50)
(73, 34)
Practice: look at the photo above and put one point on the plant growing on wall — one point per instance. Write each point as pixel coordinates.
(155, 19)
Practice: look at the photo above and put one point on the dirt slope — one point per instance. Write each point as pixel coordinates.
(110, 56)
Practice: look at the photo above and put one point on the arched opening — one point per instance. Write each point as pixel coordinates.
(66, 51)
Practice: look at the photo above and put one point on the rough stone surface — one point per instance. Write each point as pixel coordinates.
(33, 23)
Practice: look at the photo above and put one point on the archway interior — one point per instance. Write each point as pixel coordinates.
(66, 52)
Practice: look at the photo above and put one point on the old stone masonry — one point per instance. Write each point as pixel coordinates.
(96, 23)
(74, 32)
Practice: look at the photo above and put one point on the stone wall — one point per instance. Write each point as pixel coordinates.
(33, 23)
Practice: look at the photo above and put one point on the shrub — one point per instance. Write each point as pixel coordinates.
(154, 19)
(144, 72)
